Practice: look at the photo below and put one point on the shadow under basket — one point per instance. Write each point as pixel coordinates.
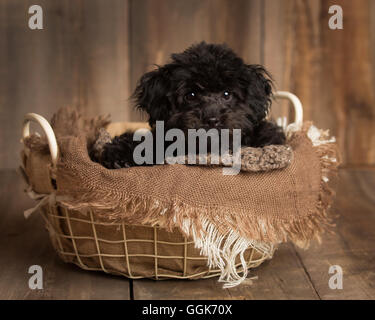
(134, 251)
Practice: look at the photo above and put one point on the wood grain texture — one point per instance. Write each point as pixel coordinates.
(291, 274)
(276, 55)
(159, 28)
(24, 243)
(332, 72)
(303, 274)
(281, 278)
(352, 247)
(349, 76)
(80, 58)
(91, 54)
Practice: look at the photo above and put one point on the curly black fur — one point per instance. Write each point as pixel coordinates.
(206, 86)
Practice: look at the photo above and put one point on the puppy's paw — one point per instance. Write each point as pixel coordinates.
(276, 156)
(267, 158)
(118, 153)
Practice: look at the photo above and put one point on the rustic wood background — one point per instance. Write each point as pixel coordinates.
(292, 273)
(91, 53)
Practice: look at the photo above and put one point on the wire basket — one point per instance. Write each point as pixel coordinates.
(134, 251)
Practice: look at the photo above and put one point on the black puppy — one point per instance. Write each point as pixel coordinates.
(206, 86)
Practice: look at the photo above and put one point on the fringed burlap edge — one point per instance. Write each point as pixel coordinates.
(222, 243)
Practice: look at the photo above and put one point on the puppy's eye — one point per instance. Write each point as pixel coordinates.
(227, 95)
(191, 96)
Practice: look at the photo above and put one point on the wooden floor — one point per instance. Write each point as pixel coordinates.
(292, 273)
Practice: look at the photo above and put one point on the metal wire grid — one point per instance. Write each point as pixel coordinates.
(54, 215)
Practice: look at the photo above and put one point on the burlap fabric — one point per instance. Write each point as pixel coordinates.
(288, 203)
(134, 251)
(224, 215)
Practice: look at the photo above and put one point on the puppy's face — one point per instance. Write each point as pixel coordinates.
(206, 86)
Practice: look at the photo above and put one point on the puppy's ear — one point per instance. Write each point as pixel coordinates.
(150, 95)
(259, 90)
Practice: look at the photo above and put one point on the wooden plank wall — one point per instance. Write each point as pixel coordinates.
(80, 58)
(92, 52)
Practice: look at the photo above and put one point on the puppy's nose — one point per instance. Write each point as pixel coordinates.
(213, 122)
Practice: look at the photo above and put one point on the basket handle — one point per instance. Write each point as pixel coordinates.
(298, 110)
(51, 138)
